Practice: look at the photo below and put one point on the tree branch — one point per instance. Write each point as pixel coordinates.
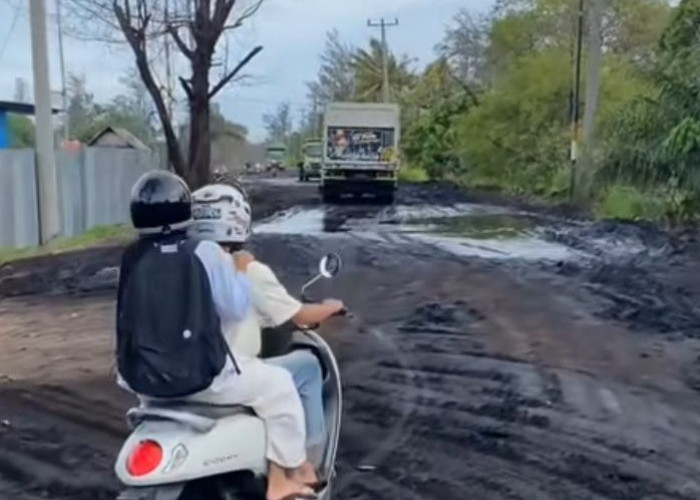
(221, 11)
(135, 36)
(251, 11)
(226, 79)
(186, 87)
(186, 51)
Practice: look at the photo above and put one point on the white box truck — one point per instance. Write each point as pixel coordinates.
(361, 150)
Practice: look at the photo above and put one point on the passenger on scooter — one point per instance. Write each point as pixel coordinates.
(169, 284)
(222, 213)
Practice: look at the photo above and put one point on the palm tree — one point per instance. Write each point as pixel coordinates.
(369, 74)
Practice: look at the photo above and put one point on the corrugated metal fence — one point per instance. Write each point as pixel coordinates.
(93, 184)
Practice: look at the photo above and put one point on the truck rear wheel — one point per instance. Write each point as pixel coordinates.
(384, 194)
(331, 198)
(386, 198)
(329, 195)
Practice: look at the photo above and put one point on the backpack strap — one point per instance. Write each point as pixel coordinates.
(190, 246)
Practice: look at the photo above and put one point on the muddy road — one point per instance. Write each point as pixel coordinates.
(495, 353)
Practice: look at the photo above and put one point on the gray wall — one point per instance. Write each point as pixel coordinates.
(94, 187)
(19, 219)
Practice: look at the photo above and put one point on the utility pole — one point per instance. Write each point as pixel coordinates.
(576, 104)
(64, 92)
(383, 24)
(316, 117)
(168, 70)
(46, 160)
(586, 164)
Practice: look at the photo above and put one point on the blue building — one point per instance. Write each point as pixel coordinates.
(18, 108)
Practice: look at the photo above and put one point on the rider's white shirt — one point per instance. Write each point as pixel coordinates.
(272, 306)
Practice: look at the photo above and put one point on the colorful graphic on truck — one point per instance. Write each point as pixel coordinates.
(360, 144)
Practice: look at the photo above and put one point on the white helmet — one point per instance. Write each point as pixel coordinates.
(221, 213)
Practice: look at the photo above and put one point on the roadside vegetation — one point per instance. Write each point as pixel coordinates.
(98, 236)
(494, 109)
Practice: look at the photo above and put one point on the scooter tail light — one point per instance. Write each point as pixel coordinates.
(144, 458)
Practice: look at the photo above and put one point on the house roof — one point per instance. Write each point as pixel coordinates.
(20, 107)
(126, 136)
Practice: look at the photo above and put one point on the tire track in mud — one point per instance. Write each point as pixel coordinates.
(56, 444)
(491, 427)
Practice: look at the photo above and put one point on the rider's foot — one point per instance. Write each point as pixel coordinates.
(306, 474)
(279, 487)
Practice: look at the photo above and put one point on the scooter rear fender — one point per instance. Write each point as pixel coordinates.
(234, 443)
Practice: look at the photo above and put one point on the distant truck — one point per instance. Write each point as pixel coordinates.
(361, 142)
(275, 157)
(310, 168)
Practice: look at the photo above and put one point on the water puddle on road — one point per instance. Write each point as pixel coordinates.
(466, 229)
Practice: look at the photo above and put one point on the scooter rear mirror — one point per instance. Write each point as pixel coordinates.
(330, 265)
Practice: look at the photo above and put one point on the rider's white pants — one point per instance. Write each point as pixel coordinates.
(269, 390)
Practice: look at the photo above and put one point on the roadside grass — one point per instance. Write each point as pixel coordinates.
(628, 203)
(410, 173)
(98, 236)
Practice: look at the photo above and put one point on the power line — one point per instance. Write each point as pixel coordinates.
(383, 24)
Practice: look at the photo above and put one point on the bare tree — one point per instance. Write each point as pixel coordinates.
(464, 46)
(279, 123)
(196, 28)
(336, 76)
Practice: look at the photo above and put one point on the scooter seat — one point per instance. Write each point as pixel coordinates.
(208, 410)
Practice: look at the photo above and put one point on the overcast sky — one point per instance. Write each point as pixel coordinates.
(292, 32)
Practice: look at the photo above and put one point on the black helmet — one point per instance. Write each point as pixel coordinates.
(160, 202)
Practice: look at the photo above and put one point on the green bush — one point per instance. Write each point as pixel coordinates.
(629, 203)
(410, 173)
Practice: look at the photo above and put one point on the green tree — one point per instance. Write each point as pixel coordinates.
(430, 114)
(630, 28)
(369, 74)
(131, 110)
(517, 137)
(83, 112)
(22, 132)
(654, 143)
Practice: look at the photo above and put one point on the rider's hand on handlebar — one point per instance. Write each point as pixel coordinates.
(242, 259)
(336, 305)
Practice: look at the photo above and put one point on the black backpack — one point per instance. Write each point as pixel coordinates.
(169, 338)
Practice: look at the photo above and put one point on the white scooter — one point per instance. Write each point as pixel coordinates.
(193, 451)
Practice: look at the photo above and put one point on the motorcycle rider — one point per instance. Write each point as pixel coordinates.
(222, 213)
(161, 212)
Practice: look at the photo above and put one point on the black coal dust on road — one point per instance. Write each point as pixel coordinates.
(495, 353)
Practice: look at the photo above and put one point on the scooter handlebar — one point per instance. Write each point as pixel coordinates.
(343, 312)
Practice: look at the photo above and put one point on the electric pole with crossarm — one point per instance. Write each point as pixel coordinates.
(384, 24)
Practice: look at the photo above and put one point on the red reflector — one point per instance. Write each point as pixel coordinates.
(144, 459)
